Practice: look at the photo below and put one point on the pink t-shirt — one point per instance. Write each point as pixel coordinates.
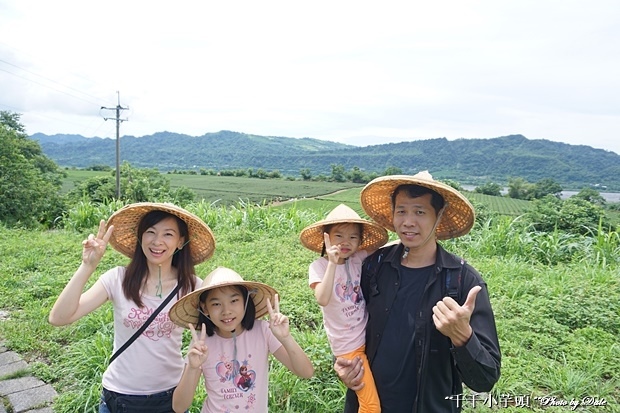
(344, 316)
(239, 384)
(153, 362)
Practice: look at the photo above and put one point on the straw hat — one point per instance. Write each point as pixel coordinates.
(458, 215)
(185, 311)
(374, 235)
(125, 235)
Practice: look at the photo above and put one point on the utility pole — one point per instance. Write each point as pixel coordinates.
(118, 146)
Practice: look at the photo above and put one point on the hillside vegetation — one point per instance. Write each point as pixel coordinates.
(556, 298)
(230, 190)
(468, 161)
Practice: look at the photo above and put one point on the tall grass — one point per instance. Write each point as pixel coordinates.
(556, 299)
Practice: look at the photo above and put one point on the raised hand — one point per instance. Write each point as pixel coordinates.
(94, 247)
(332, 251)
(278, 322)
(452, 320)
(198, 351)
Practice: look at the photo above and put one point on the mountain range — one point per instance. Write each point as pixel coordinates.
(467, 161)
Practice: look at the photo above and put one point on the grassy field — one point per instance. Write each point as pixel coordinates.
(556, 299)
(230, 190)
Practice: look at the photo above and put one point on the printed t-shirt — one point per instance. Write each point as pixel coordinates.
(345, 315)
(239, 384)
(153, 362)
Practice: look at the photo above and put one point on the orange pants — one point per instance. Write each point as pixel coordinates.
(367, 396)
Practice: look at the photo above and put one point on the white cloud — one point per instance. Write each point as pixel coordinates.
(357, 72)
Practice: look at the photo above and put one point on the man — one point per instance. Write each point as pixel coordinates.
(431, 326)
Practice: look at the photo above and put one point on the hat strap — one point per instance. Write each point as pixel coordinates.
(186, 242)
(245, 308)
(235, 368)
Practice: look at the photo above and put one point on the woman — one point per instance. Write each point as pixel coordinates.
(164, 243)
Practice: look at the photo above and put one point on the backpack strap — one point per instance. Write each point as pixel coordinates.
(453, 282)
(371, 268)
(453, 289)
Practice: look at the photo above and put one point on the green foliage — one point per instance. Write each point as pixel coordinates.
(544, 187)
(29, 181)
(519, 188)
(556, 298)
(490, 188)
(338, 173)
(356, 175)
(454, 184)
(591, 195)
(573, 215)
(305, 173)
(393, 170)
(136, 185)
(476, 160)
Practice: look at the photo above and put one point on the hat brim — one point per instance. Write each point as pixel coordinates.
(458, 216)
(373, 237)
(124, 238)
(185, 311)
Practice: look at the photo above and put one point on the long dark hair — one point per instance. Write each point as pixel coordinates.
(248, 319)
(137, 270)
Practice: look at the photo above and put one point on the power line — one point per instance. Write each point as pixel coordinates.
(48, 79)
(47, 86)
(118, 148)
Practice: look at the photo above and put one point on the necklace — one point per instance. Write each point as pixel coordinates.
(159, 289)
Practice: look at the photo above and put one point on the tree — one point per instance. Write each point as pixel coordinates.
(137, 185)
(519, 188)
(591, 195)
(30, 181)
(338, 173)
(573, 215)
(392, 170)
(305, 174)
(545, 187)
(454, 184)
(490, 188)
(12, 121)
(356, 175)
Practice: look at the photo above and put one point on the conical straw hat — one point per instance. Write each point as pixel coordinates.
(185, 311)
(126, 220)
(458, 216)
(373, 237)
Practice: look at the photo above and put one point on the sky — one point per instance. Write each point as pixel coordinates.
(357, 72)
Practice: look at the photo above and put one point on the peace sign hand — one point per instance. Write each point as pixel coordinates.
(278, 322)
(198, 350)
(94, 248)
(332, 251)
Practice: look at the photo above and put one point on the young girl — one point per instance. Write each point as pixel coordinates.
(164, 243)
(347, 240)
(233, 347)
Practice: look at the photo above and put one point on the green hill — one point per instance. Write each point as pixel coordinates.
(468, 161)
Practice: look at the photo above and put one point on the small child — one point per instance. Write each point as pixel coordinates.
(233, 347)
(347, 240)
